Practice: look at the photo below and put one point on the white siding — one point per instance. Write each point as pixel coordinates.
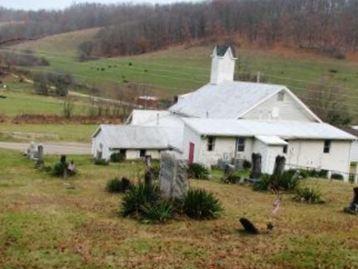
(309, 153)
(96, 147)
(134, 154)
(222, 68)
(354, 152)
(288, 109)
(192, 137)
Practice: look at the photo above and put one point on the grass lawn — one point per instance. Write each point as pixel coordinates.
(47, 222)
(21, 99)
(47, 132)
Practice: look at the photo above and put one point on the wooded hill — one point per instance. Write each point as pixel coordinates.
(327, 26)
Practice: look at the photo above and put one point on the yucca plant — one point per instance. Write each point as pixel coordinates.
(200, 204)
(198, 171)
(117, 185)
(158, 212)
(309, 195)
(137, 197)
(263, 184)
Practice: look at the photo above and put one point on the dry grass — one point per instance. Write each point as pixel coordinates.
(45, 223)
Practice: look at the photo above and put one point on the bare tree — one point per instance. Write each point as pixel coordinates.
(328, 102)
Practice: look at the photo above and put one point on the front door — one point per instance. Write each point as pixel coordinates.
(191, 152)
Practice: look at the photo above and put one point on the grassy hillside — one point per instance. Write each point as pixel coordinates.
(20, 99)
(47, 222)
(180, 69)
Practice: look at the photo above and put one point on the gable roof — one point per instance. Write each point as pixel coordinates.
(283, 129)
(221, 50)
(133, 137)
(230, 100)
(227, 100)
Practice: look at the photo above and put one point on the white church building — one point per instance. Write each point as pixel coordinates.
(231, 120)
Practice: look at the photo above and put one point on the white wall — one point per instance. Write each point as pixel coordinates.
(300, 153)
(354, 152)
(288, 109)
(222, 68)
(96, 146)
(190, 136)
(133, 154)
(268, 155)
(309, 153)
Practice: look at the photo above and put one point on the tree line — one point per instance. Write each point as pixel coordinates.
(328, 26)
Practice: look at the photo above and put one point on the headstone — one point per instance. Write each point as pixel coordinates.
(148, 176)
(248, 226)
(64, 164)
(39, 156)
(280, 163)
(229, 169)
(173, 176)
(353, 206)
(31, 151)
(256, 165)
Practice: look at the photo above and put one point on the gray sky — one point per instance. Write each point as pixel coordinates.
(56, 4)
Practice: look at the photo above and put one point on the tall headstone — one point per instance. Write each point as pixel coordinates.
(353, 206)
(40, 156)
(280, 163)
(256, 165)
(173, 177)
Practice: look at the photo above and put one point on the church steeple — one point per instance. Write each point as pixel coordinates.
(222, 64)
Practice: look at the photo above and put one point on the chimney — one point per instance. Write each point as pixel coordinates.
(222, 64)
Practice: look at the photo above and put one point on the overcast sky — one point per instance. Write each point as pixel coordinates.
(57, 4)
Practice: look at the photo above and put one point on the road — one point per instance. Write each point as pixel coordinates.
(53, 148)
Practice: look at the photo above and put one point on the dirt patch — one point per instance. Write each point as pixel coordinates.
(3, 118)
(55, 119)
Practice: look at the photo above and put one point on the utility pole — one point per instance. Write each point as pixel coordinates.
(258, 77)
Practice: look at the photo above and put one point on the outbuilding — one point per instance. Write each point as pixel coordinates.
(133, 142)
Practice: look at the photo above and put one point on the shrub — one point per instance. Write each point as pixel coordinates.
(155, 170)
(263, 184)
(101, 162)
(308, 195)
(58, 169)
(337, 176)
(287, 181)
(246, 165)
(137, 200)
(158, 212)
(117, 157)
(117, 185)
(323, 173)
(231, 179)
(198, 171)
(200, 204)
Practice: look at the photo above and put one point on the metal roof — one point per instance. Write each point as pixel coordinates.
(133, 137)
(172, 125)
(227, 100)
(283, 129)
(271, 140)
(141, 116)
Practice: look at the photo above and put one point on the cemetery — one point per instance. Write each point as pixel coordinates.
(129, 213)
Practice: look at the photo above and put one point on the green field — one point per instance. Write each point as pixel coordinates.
(179, 69)
(47, 132)
(20, 99)
(48, 222)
